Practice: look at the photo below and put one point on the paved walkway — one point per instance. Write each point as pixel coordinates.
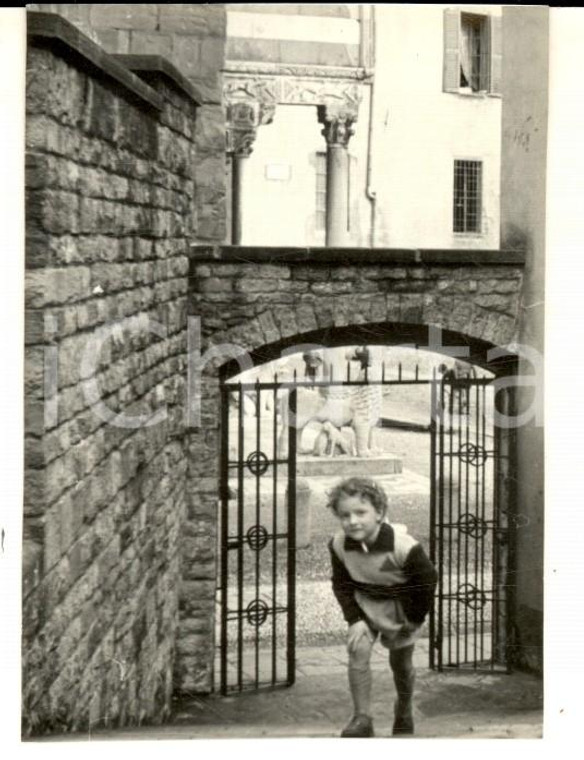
(448, 705)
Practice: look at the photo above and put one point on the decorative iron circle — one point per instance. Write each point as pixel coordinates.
(257, 462)
(472, 454)
(472, 596)
(257, 612)
(257, 537)
(472, 525)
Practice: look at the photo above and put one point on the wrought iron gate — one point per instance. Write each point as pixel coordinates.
(258, 541)
(469, 526)
(469, 538)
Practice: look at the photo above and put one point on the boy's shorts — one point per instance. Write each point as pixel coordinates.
(386, 618)
(396, 639)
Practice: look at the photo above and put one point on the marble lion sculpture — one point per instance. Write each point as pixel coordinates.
(357, 406)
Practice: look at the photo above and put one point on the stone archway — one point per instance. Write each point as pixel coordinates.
(247, 300)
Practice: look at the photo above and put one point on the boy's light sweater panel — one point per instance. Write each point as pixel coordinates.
(394, 567)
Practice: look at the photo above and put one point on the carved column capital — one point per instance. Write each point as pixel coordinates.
(243, 119)
(338, 125)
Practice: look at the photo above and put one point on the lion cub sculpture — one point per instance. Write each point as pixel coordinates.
(331, 441)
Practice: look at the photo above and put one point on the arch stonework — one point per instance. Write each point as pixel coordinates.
(268, 300)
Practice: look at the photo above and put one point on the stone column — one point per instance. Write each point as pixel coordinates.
(338, 128)
(243, 120)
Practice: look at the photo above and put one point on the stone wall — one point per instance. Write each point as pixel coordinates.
(109, 211)
(192, 37)
(266, 300)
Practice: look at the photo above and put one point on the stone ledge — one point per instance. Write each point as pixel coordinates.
(61, 35)
(157, 64)
(354, 256)
(344, 467)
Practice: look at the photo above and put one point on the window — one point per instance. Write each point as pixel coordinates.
(468, 179)
(320, 221)
(472, 53)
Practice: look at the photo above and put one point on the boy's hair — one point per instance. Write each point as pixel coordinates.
(365, 488)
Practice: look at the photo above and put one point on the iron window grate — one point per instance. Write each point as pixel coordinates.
(467, 196)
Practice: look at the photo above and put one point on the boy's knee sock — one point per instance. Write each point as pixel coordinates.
(360, 684)
(404, 685)
(404, 677)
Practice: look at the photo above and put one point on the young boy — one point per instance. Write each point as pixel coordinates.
(384, 582)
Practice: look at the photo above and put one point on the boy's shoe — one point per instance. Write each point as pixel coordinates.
(360, 727)
(403, 726)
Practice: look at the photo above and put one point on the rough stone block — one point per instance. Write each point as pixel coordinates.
(34, 371)
(210, 131)
(34, 417)
(52, 539)
(210, 172)
(495, 302)
(59, 213)
(378, 308)
(32, 567)
(186, 54)
(269, 328)
(124, 16)
(249, 285)
(411, 307)
(56, 286)
(324, 311)
(212, 57)
(306, 318)
(189, 20)
(114, 40)
(341, 313)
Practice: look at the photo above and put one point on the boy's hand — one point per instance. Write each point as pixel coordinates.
(408, 628)
(356, 631)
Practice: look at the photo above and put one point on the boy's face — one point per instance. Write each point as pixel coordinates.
(359, 518)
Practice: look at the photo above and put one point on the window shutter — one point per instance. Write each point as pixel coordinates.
(451, 79)
(496, 54)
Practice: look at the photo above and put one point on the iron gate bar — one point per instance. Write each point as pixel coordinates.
(496, 532)
(467, 485)
(234, 542)
(224, 530)
(274, 527)
(243, 613)
(257, 522)
(440, 528)
(291, 643)
(476, 489)
(506, 548)
(450, 441)
(240, 495)
(432, 631)
(483, 507)
(288, 385)
(459, 512)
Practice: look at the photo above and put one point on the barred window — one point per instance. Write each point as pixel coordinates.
(320, 221)
(468, 178)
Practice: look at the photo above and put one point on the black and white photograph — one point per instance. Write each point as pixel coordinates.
(284, 303)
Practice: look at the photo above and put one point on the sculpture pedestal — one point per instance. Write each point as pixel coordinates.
(346, 467)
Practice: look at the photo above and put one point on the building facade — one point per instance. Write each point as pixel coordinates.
(420, 93)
